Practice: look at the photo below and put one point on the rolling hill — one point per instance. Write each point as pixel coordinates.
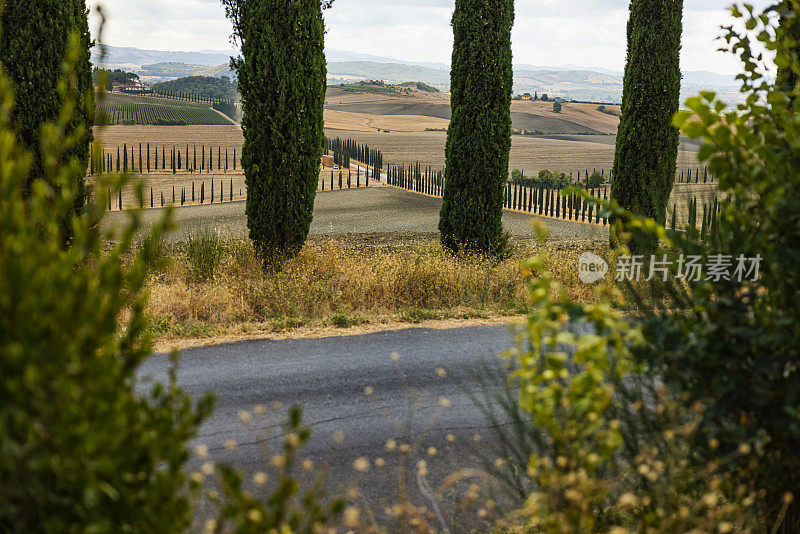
(571, 82)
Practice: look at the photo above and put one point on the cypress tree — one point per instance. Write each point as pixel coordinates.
(282, 123)
(647, 143)
(479, 136)
(124, 158)
(34, 41)
(674, 216)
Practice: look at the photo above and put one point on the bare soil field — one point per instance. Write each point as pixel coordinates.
(584, 115)
(168, 136)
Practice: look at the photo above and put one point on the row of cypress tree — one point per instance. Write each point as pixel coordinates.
(343, 150)
(282, 176)
(281, 76)
(178, 160)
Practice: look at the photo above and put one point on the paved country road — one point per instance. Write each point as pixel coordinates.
(328, 377)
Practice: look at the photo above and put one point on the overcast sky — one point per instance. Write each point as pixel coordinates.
(589, 33)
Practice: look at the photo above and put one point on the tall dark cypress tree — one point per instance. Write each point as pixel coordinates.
(479, 136)
(282, 80)
(647, 143)
(34, 40)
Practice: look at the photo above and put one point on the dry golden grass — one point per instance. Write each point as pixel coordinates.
(340, 284)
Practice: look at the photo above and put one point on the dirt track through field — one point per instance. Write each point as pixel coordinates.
(371, 213)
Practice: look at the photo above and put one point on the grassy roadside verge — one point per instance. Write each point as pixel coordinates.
(211, 287)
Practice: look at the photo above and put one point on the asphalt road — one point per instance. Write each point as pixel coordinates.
(328, 377)
(376, 210)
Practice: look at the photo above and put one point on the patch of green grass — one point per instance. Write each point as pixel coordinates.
(472, 314)
(204, 250)
(167, 327)
(417, 315)
(342, 320)
(287, 323)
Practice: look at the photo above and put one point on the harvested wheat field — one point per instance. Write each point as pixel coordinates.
(530, 153)
(226, 136)
(584, 115)
(363, 122)
(575, 118)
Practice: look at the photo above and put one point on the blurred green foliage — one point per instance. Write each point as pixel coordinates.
(83, 448)
(684, 414)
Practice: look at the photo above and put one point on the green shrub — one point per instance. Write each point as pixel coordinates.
(204, 251)
(595, 444)
(343, 320)
(713, 367)
(596, 179)
(552, 180)
(81, 450)
(731, 344)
